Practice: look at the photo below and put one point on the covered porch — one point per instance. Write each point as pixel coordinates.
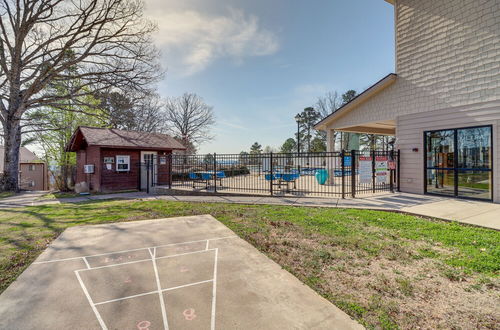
(351, 117)
(384, 128)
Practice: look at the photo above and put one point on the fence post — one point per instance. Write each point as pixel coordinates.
(170, 177)
(373, 171)
(154, 170)
(398, 171)
(146, 159)
(353, 173)
(272, 176)
(215, 172)
(343, 173)
(391, 172)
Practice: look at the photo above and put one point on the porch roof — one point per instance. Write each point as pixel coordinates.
(117, 138)
(383, 127)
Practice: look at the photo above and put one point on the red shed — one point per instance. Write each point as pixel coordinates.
(115, 156)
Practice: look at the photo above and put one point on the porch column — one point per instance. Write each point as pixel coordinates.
(330, 161)
(353, 143)
(330, 143)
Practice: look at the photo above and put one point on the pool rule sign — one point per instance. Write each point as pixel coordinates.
(365, 169)
(381, 169)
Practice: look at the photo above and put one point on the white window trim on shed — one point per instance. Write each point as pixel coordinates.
(126, 161)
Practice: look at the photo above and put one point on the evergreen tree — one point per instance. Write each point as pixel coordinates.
(348, 96)
(256, 148)
(290, 145)
(309, 117)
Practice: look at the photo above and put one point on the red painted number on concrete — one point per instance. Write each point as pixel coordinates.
(143, 325)
(189, 314)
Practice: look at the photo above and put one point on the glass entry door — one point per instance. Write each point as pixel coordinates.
(440, 160)
(459, 162)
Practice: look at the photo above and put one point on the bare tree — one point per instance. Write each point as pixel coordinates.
(189, 119)
(325, 106)
(97, 43)
(132, 111)
(328, 104)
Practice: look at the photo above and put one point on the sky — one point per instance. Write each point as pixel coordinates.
(258, 63)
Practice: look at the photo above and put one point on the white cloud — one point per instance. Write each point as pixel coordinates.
(233, 125)
(311, 90)
(200, 39)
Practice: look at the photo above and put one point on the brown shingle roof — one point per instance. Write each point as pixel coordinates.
(117, 138)
(25, 156)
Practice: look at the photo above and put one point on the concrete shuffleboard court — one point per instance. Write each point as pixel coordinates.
(176, 273)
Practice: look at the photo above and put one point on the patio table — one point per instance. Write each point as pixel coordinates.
(212, 174)
(293, 175)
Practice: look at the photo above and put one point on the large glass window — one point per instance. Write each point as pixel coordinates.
(459, 162)
(474, 148)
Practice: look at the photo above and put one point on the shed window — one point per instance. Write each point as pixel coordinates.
(32, 167)
(122, 163)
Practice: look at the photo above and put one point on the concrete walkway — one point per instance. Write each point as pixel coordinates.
(34, 198)
(176, 273)
(471, 212)
(26, 198)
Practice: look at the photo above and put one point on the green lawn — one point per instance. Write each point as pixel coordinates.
(4, 194)
(384, 269)
(69, 194)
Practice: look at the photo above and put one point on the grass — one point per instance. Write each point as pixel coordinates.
(67, 194)
(368, 263)
(5, 194)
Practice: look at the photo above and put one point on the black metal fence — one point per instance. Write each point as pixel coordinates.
(342, 174)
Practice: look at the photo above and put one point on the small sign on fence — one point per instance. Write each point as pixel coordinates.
(381, 169)
(365, 169)
(347, 161)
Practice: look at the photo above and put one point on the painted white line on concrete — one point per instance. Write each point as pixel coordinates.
(186, 285)
(143, 260)
(152, 292)
(96, 312)
(206, 247)
(131, 250)
(127, 297)
(86, 262)
(151, 253)
(115, 265)
(56, 260)
(214, 291)
(160, 296)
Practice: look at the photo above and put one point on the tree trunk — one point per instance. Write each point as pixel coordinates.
(12, 140)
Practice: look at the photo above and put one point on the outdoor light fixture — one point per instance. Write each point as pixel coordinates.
(298, 119)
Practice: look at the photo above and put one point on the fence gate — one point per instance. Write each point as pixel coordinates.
(148, 177)
(337, 174)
